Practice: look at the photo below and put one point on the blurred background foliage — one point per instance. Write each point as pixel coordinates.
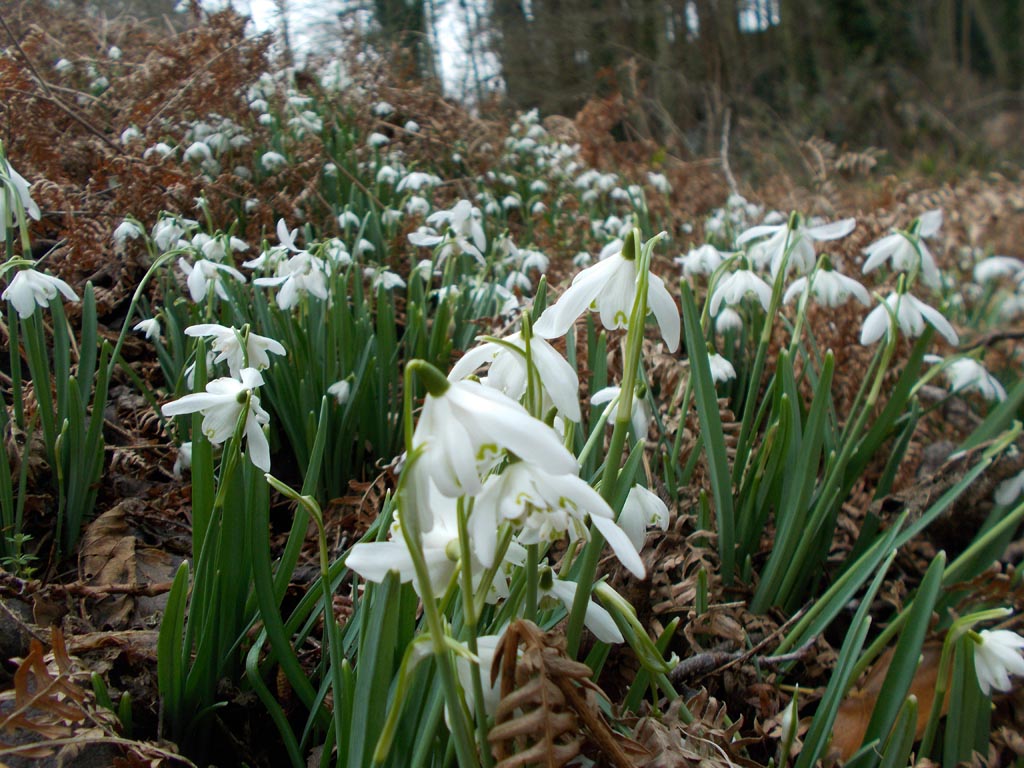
(921, 79)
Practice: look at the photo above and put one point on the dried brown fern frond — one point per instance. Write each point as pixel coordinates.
(548, 704)
(709, 740)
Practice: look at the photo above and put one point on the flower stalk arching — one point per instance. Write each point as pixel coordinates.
(436, 384)
(960, 627)
(609, 479)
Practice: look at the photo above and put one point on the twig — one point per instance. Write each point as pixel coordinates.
(703, 663)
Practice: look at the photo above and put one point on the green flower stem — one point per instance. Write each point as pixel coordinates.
(532, 577)
(471, 619)
(609, 479)
(334, 649)
(461, 731)
(754, 382)
(464, 747)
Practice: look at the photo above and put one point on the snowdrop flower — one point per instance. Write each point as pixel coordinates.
(995, 267)
(701, 261)
(63, 66)
(221, 405)
(728, 319)
(508, 373)
(464, 428)
(29, 289)
(227, 345)
(417, 206)
(412, 126)
(150, 327)
(907, 251)
(167, 233)
(641, 509)
(640, 415)
(204, 273)
(387, 175)
(829, 287)
(438, 545)
(996, 657)
(272, 161)
(377, 140)
(721, 369)
(608, 287)
(794, 235)
(596, 619)
(183, 460)
(735, 287)
(126, 230)
(966, 373)
(545, 507)
(14, 187)
(464, 233)
(161, 149)
(384, 278)
(1010, 489)
(660, 182)
(348, 219)
(911, 316)
(301, 275)
(383, 109)
(130, 134)
(340, 391)
(416, 180)
(486, 648)
(198, 152)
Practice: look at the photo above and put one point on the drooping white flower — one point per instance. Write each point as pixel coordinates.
(438, 545)
(384, 278)
(1010, 489)
(377, 140)
(150, 326)
(126, 230)
(640, 414)
(996, 657)
(508, 372)
(221, 405)
(14, 191)
(798, 239)
(545, 507)
(736, 286)
(995, 267)
(911, 316)
(596, 619)
(829, 287)
(721, 369)
(728, 319)
(701, 261)
(183, 460)
(273, 161)
(29, 289)
(465, 429)
(486, 648)
(303, 274)
(205, 273)
(463, 232)
(416, 180)
(340, 391)
(907, 250)
(227, 345)
(641, 509)
(609, 287)
(965, 374)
